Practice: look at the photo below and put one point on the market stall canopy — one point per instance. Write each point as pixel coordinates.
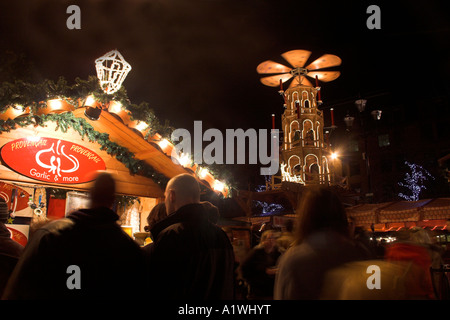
(402, 213)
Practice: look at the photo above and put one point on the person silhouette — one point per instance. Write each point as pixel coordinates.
(321, 242)
(190, 257)
(83, 256)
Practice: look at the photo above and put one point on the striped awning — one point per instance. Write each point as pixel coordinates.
(400, 211)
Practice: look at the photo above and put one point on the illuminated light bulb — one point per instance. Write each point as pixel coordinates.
(55, 104)
(115, 107)
(17, 110)
(163, 143)
(90, 101)
(184, 159)
(219, 186)
(202, 173)
(141, 126)
(334, 156)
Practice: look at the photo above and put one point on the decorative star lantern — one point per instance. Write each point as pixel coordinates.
(112, 70)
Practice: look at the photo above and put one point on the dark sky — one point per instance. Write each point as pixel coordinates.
(196, 60)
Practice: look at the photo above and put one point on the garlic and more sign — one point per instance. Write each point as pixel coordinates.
(52, 160)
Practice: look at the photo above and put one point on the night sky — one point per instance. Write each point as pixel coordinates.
(196, 60)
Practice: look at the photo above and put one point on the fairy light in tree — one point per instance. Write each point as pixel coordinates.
(267, 208)
(135, 219)
(414, 181)
(112, 70)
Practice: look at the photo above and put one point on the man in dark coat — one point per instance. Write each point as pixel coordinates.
(190, 258)
(83, 256)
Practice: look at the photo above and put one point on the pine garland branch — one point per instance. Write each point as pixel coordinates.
(35, 96)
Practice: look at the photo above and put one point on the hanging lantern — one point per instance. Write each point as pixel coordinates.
(112, 70)
(349, 121)
(361, 104)
(376, 114)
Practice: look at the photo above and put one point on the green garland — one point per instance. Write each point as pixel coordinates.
(126, 201)
(67, 120)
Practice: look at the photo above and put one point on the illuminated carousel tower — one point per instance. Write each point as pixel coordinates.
(304, 156)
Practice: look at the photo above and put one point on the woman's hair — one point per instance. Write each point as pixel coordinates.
(157, 214)
(266, 234)
(320, 209)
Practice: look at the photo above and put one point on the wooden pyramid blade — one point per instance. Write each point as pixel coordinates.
(325, 61)
(324, 76)
(270, 66)
(297, 58)
(274, 81)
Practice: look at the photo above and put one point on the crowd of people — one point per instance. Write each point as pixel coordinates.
(319, 256)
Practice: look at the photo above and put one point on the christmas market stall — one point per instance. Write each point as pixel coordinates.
(55, 138)
(395, 215)
(386, 219)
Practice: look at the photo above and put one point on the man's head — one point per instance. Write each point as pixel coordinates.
(103, 191)
(181, 190)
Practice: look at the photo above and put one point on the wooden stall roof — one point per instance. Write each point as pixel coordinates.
(133, 141)
(123, 135)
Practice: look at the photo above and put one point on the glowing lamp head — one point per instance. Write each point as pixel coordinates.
(334, 156)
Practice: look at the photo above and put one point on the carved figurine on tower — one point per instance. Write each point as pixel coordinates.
(304, 154)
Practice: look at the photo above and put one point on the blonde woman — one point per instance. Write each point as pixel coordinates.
(321, 242)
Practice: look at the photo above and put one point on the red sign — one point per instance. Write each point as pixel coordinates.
(52, 160)
(18, 236)
(16, 198)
